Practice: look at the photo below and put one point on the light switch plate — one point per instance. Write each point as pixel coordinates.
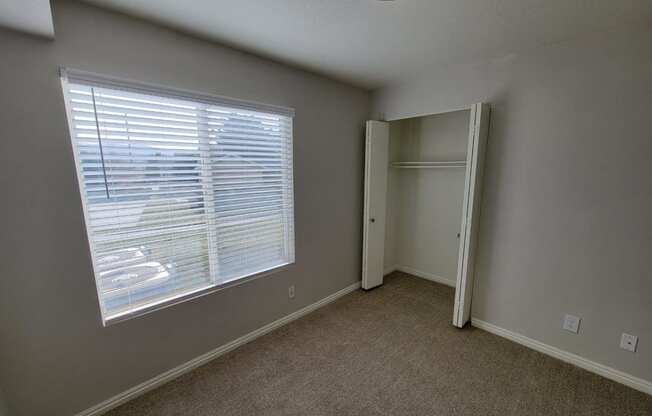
(628, 342)
(571, 323)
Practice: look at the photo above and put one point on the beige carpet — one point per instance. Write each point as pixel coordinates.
(390, 351)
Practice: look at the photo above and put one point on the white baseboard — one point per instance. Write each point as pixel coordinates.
(169, 375)
(423, 275)
(600, 369)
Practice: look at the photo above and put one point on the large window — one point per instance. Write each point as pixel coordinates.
(182, 192)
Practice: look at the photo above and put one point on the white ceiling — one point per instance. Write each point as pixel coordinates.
(371, 43)
(30, 16)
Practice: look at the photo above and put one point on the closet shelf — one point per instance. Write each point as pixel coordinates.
(429, 165)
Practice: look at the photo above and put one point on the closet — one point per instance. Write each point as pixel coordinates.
(423, 178)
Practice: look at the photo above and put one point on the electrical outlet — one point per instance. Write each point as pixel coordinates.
(571, 323)
(291, 292)
(628, 342)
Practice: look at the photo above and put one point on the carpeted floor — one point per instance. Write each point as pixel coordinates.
(390, 351)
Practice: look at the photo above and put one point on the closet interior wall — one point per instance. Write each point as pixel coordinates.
(424, 206)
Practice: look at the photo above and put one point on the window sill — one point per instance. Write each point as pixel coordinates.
(166, 303)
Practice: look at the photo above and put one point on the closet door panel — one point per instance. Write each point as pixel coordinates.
(478, 132)
(375, 191)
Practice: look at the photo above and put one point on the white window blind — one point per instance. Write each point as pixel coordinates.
(181, 192)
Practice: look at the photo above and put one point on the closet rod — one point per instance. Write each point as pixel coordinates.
(429, 165)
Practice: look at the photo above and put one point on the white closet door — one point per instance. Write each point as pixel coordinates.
(478, 131)
(375, 192)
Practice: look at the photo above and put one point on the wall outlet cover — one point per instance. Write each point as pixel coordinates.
(571, 323)
(291, 292)
(628, 342)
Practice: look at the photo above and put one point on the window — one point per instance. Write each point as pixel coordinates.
(182, 192)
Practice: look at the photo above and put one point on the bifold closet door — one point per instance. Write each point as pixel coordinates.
(375, 193)
(478, 131)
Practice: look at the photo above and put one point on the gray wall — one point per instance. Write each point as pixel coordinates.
(55, 356)
(566, 222)
(4, 410)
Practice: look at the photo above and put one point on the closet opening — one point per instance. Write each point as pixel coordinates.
(422, 190)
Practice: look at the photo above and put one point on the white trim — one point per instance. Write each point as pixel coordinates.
(425, 275)
(600, 369)
(85, 77)
(478, 132)
(365, 213)
(170, 375)
(415, 115)
(376, 170)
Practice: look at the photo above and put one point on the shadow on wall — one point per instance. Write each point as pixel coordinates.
(493, 172)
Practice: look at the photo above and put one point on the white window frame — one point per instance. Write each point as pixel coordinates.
(67, 74)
